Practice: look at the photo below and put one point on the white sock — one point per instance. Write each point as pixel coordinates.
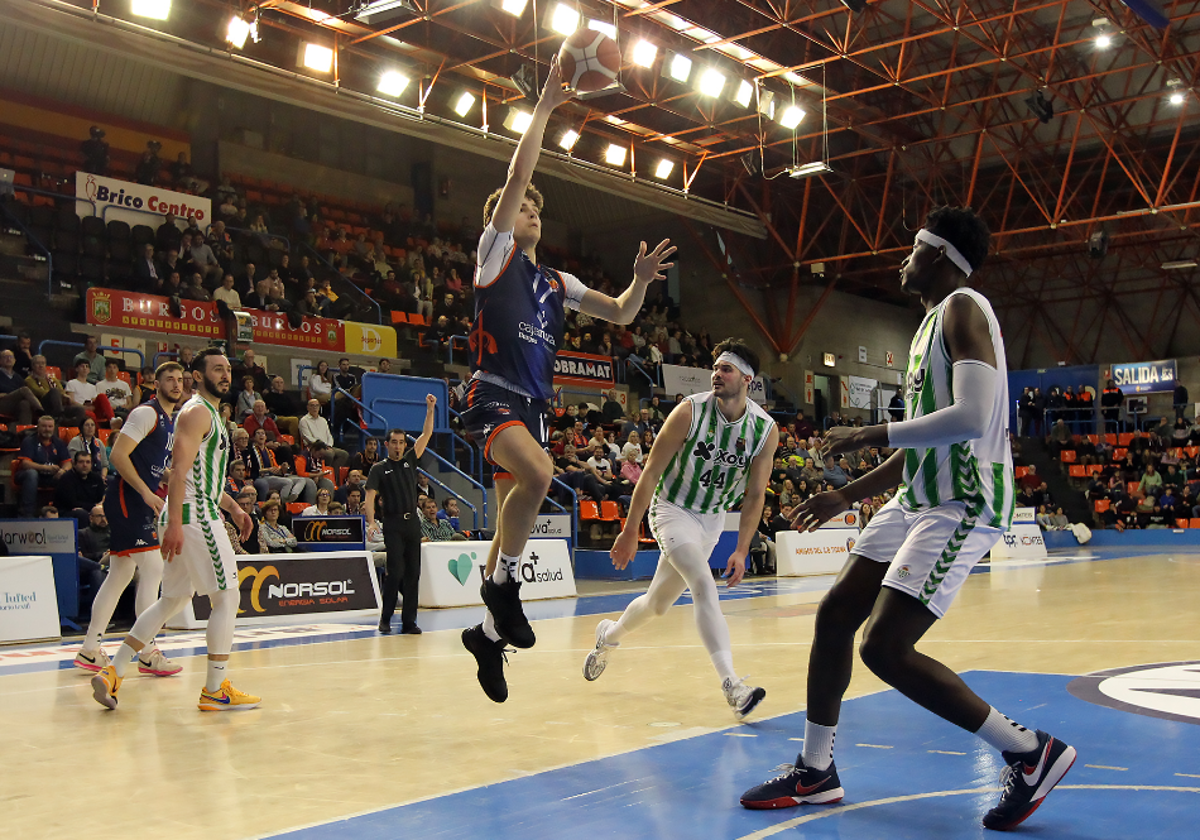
(818, 745)
(216, 674)
(123, 657)
(489, 627)
(722, 660)
(1007, 735)
(506, 568)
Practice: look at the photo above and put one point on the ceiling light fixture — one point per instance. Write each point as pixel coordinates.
(1175, 265)
(807, 170)
(791, 116)
(155, 9)
(711, 82)
(392, 83)
(563, 19)
(518, 120)
(516, 8)
(744, 93)
(678, 68)
(464, 102)
(664, 169)
(614, 155)
(1104, 41)
(644, 52)
(316, 57)
(382, 11)
(568, 139)
(237, 32)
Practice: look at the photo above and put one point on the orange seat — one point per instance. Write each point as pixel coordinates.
(104, 435)
(1131, 487)
(1094, 469)
(1182, 523)
(54, 372)
(1192, 451)
(1077, 471)
(589, 511)
(1102, 505)
(67, 433)
(417, 319)
(1067, 456)
(1194, 523)
(609, 512)
(1020, 472)
(1093, 439)
(1125, 438)
(1119, 454)
(288, 439)
(296, 507)
(1110, 439)
(399, 317)
(123, 375)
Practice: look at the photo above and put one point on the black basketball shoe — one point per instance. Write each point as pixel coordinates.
(490, 657)
(795, 785)
(503, 601)
(1027, 779)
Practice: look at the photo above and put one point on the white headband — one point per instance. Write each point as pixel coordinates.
(737, 362)
(955, 257)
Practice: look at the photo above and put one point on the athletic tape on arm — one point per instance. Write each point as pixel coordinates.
(965, 419)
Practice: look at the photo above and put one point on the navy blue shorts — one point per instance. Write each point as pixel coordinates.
(491, 408)
(131, 522)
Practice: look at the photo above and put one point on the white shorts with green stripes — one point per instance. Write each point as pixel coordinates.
(930, 552)
(673, 526)
(207, 563)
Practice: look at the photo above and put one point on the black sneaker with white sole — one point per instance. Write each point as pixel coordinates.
(503, 601)
(490, 657)
(1027, 779)
(795, 785)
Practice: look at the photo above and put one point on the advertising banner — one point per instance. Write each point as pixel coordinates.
(822, 552)
(28, 603)
(130, 202)
(551, 526)
(1145, 377)
(329, 533)
(57, 538)
(571, 368)
(451, 572)
(1021, 542)
(678, 379)
(117, 309)
(861, 391)
(808, 387)
(288, 585)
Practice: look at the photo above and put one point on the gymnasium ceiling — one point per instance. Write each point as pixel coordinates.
(925, 103)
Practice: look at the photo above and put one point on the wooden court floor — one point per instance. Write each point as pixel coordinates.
(353, 722)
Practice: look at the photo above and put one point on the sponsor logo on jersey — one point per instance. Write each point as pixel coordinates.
(708, 452)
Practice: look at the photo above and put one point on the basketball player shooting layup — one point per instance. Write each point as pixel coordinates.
(955, 500)
(712, 448)
(519, 308)
(196, 548)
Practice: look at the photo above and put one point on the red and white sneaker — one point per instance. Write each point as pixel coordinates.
(95, 662)
(1027, 780)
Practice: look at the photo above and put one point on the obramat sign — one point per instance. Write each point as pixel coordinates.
(583, 369)
(299, 587)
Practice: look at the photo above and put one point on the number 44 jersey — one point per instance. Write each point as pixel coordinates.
(708, 473)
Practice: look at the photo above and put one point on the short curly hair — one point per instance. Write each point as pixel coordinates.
(961, 227)
(489, 206)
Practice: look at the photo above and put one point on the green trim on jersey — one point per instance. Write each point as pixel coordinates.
(708, 473)
(205, 484)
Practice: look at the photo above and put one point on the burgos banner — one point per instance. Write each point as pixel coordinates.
(1145, 377)
(130, 202)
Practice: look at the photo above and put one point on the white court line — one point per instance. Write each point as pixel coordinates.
(946, 752)
(892, 800)
(1105, 767)
(875, 746)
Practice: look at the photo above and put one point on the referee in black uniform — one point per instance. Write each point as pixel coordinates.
(395, 480)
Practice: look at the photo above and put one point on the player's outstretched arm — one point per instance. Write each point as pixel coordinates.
(647, 267)
(669, 441)
(529, 149)
(752, 505)
(819, 509)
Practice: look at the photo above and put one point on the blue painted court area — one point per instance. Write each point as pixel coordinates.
(907, 774)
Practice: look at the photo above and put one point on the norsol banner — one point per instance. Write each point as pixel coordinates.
(329, 533)
(274, 585)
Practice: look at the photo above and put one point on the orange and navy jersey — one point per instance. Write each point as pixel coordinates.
(153, 432)
(519, 315)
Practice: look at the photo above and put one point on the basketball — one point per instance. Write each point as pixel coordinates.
(589, 60)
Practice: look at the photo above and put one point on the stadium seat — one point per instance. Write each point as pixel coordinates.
(1093, 439)
(588, 511)
(295, 508)
(1125, 438)
(67, 433)
(1131, 487)
(609, 512)
(1102, 505)
(1067, 456)
(1110, 439)
(1020, 472)
(1077, 471)
(104, 435)
(1119, 454)
(1194, 523)
(1182, 523)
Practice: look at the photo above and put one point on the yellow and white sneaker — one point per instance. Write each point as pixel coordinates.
(226, 699)
(94, 663)
(105, 686)
(157, 664)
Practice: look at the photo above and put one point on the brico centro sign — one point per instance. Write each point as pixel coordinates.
(133, 203)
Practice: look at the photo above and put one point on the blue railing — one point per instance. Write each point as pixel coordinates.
(482, 490)
(330, 266)
(454, 439)
(72, 344)
(474, 511)
(37, 242)
(574, 512)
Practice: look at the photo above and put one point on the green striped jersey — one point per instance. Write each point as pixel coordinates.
(977, 472)
(708, 473)
(205, 482)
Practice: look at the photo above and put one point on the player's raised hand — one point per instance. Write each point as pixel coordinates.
(553, 93)
(815, 511)
(430, 400)
(650, 267)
